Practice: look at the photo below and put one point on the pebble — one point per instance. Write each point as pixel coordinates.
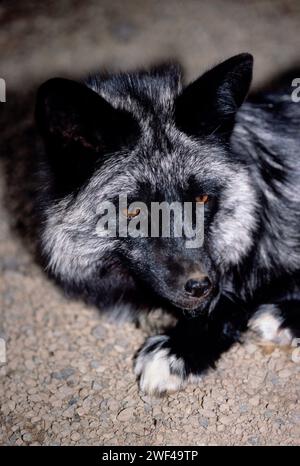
(226, 420)
(203, 421)
(95, 364)
(99, 332)
(207, 413)
(251, 348)
(63, 374)
(75, 436)
(27, 437)
(125, 415)
(285, 373)
(254, 401)
(96, 385)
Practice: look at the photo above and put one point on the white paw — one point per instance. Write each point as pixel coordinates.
(266, 322)
(158, 371)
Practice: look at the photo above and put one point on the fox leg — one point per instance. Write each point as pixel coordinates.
(277, 323)
(167, 362)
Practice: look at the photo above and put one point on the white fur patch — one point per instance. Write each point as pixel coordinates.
(232, 233)
(267, 323)
(158, 371)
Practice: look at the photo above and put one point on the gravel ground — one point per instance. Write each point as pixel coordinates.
(68, 378)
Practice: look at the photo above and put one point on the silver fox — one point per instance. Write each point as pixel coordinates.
(147, 136)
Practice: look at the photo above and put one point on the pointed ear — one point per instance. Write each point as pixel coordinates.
(209, 104)
(79, 127)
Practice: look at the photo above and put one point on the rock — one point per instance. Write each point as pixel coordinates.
(27, 437)
(96, 385)
(226, 420)
(63, 374)
(254, 401)
(125, 414)
(99, 332)
(75, 436)
(95, 364)
(250, 348)
(285, 373)
(203, 421)
(253, 440)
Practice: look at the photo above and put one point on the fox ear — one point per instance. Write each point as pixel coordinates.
(209, 104)
(78, 126)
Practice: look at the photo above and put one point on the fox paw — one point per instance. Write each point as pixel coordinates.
(267, 324)
(159, 371)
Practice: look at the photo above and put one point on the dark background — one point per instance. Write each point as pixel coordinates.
(41, 39)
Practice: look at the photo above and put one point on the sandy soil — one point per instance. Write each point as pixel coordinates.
(68, 378)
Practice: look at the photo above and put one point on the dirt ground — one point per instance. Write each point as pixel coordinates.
(68, 378)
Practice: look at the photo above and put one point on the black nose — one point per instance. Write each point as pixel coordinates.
(198, 288)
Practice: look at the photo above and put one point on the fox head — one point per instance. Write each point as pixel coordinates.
(147, 136)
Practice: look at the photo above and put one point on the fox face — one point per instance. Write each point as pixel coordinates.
(146, 137)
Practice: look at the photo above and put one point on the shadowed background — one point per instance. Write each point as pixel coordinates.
(69, 376)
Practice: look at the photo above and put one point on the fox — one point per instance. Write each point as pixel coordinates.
(150, 137)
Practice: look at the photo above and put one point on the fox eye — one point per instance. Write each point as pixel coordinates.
(131, 213)
(202, 199)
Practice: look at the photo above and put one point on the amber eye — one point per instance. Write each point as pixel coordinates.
(131, 213)
(202, 199)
